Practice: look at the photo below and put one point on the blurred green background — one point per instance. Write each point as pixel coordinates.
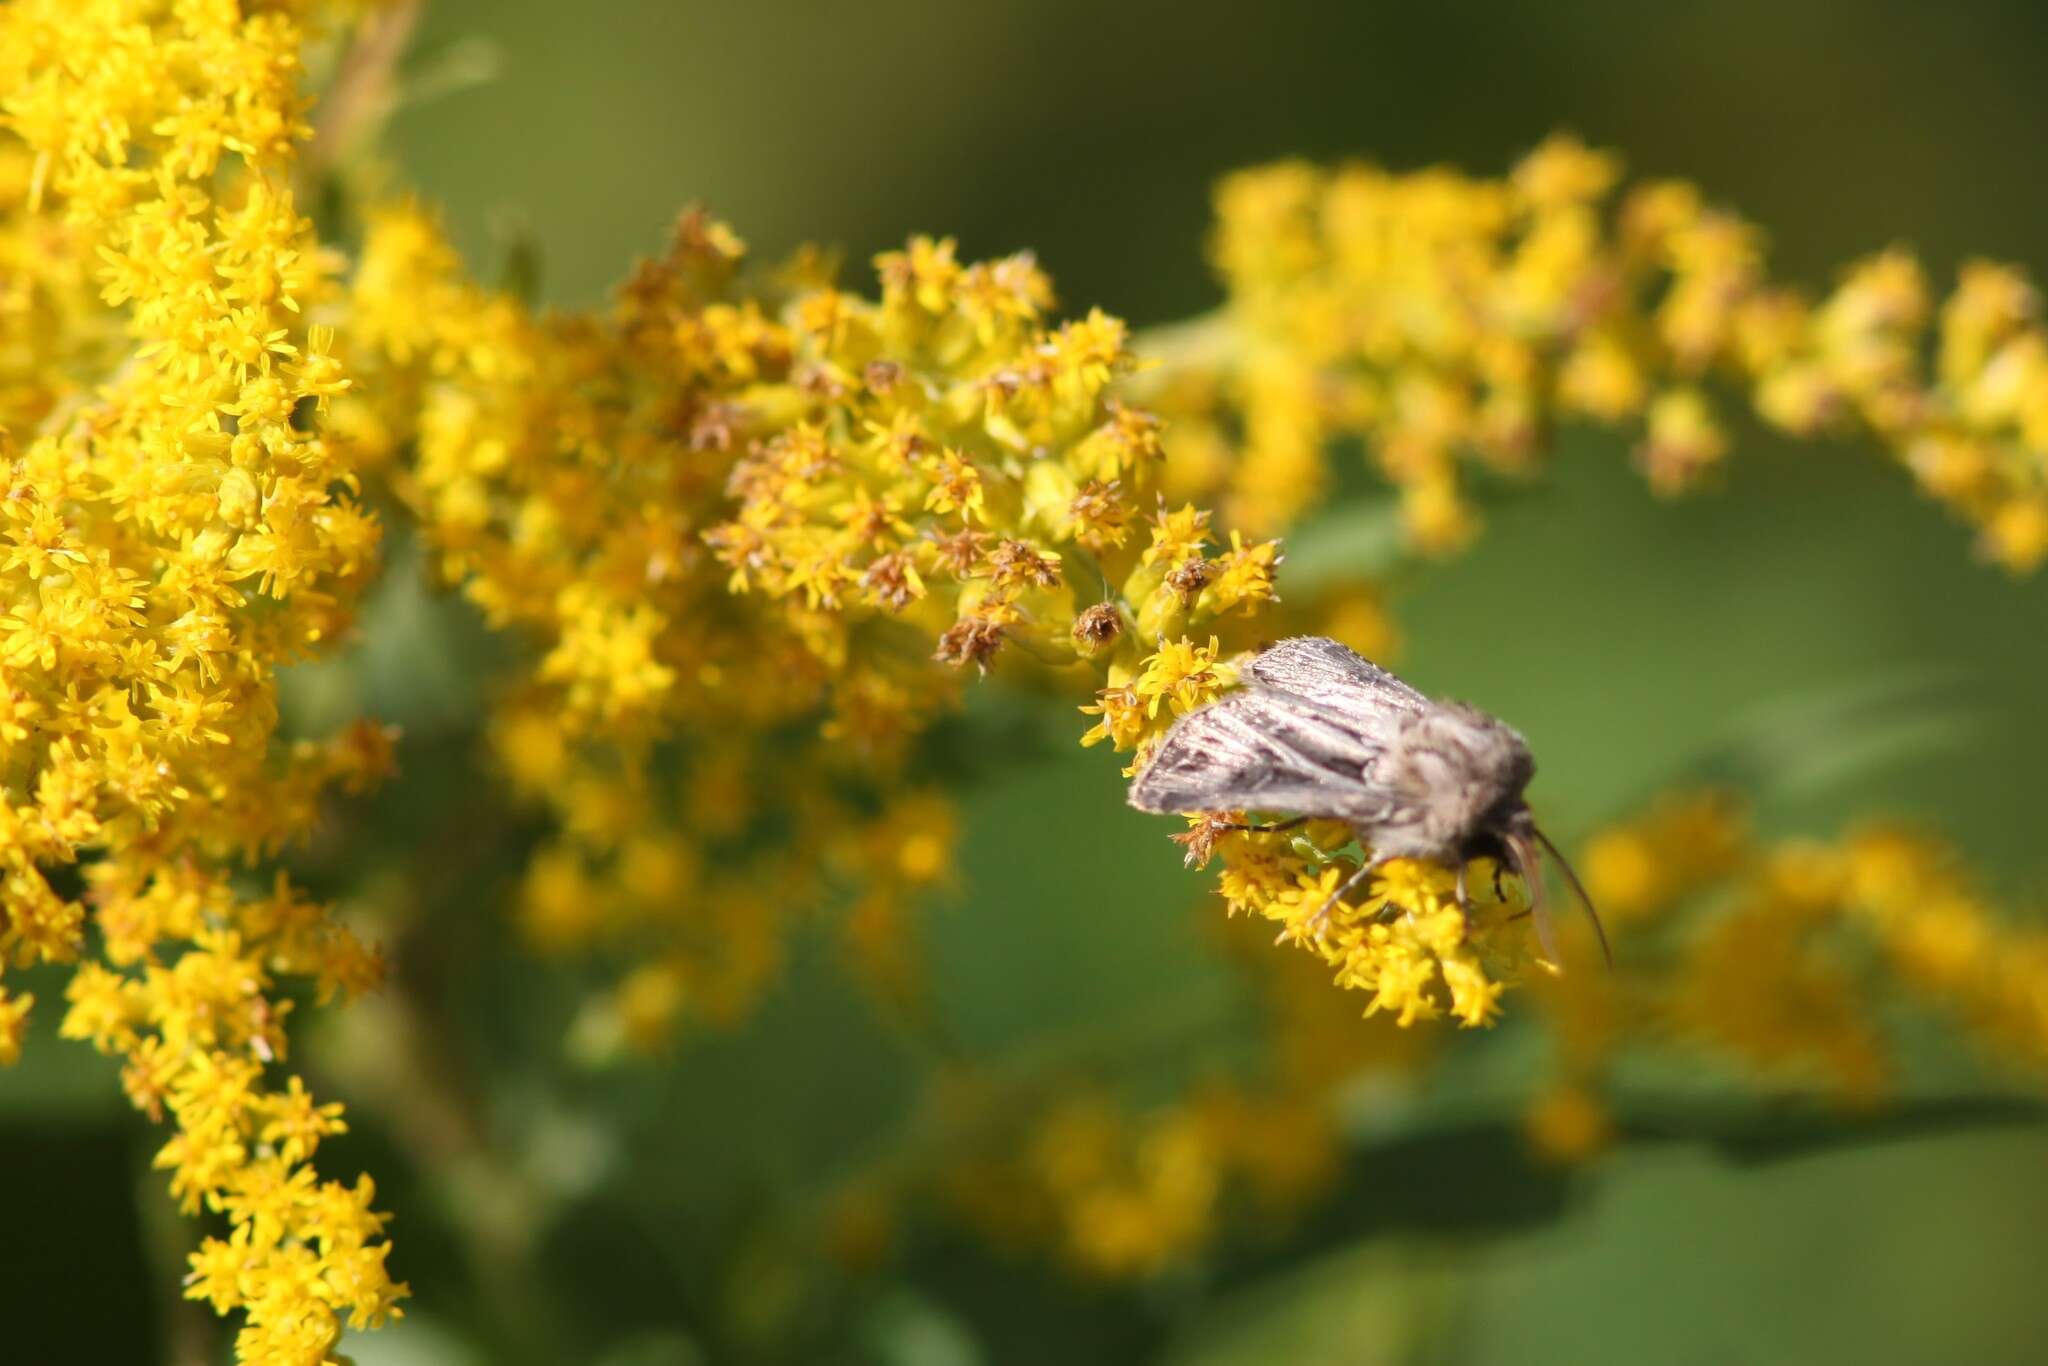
(1627, 637)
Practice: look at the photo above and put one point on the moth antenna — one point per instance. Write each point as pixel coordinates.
(1578, 890)
(1530, 870)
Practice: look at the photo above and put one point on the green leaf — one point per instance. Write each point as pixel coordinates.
(1386, 1303)
(1358, 540)
(906, 1329)
(56, 1076)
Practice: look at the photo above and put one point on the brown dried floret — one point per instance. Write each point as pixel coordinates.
(1019, 563)
(959, 551)
(881, 377)
(1098, 628)
(970, 640)
(892, 581)
(1102, 519)
(1189, 578)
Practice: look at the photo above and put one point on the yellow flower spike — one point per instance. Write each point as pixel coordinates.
(1407, 944)
(1409, 311)
(190, 525)
(847, 461)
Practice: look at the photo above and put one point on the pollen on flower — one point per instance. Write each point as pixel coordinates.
(1183, 675)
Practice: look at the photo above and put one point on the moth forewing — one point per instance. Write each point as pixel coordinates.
(1323, 670)
(1221, 758)
(1255, 750)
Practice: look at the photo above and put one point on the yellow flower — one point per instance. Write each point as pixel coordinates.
(14, 1010)
(1420, 314)
(1682, 843)
(1403, 939)
(1568, 1124)
(177, 474)
(1184, 675)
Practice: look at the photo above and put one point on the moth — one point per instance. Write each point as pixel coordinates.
(1319, 732)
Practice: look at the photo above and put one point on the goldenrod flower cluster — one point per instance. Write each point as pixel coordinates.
(1776, 966)
(1110, 1194)
(1450, 321)
(1403, 938)
(1114, 1193)
(755, 531)
(936, 474)
(174, 528)
(562, 471)
(1785, 961)
(603, 486)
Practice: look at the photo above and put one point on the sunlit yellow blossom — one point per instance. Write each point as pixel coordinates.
(744, 531)
(1402, 938)
(1446, 321)
(1184, 676)
(178, 525)
(1790, 962)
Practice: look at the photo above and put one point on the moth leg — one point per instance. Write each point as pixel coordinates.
(1319, 923)
(1255, 828)
(1464, 893)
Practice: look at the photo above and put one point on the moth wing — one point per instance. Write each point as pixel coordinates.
(1257, 751)
(1335, 675)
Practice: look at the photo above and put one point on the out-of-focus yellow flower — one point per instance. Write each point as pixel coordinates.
(1787, 961)
(1683, 842)
(1447, 321)
(14, 1008)
(1117, 1191)
(1940, 937)
(1759, 985)
(1568, 1124)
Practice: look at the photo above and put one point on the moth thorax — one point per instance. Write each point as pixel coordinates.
(1461, 769)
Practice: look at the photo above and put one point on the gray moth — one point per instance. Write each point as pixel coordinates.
(1320, 732)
